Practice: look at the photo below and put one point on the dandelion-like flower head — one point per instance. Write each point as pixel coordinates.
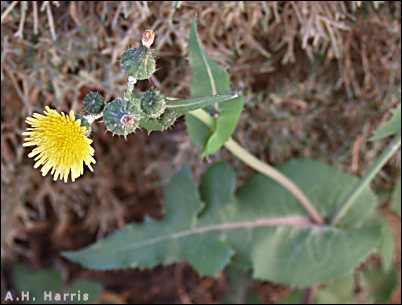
(61, 144)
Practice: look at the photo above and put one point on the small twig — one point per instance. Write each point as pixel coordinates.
(355, 153)
(73, 13)
(50, 20)
(35, 17)
(116, 15)
(8, 10)
(14, 82)
(20, 31)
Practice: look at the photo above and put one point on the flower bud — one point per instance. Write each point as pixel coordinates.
(121, 117)
(167, 118)
(138, 63)
(153, 104)
(94, 103)
(148, 38)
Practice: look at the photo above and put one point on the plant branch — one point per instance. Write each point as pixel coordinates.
(262, 167)
(364, 182)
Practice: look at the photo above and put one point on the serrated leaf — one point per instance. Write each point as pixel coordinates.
(201, 257)
(393, 126)
(262, 224)
(210, 78)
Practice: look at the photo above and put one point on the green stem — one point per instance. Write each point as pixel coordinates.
(364, 182)
(262, 167)
(130, 87)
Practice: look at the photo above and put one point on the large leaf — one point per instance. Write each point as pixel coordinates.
(210, 79)
(262, 225)
(392, 126)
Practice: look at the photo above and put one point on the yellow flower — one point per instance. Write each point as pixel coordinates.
(61, 144)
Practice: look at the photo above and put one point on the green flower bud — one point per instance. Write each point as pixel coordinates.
(138, 63)
(94, 103)
(121, 117)
(153, 104)
(167, 118)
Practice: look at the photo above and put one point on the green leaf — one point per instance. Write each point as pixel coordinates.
(199, 132)
(396, 197)
(46, 279)
(186, 105)
(49, 281)
(262, 225)
(182, 106)
(387, 246)
(239, 290)
(91, 288)
(393, 126)
(340, 291)
(376, 285)
(201, 260)
(210, 79)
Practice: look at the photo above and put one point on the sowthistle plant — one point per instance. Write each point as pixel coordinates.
(62, 141)
(314, 227)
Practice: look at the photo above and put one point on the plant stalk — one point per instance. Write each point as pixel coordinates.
(130, 87)
(262, 167)
(364, 182)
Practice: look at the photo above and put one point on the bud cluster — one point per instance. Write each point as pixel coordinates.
(123, 116)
